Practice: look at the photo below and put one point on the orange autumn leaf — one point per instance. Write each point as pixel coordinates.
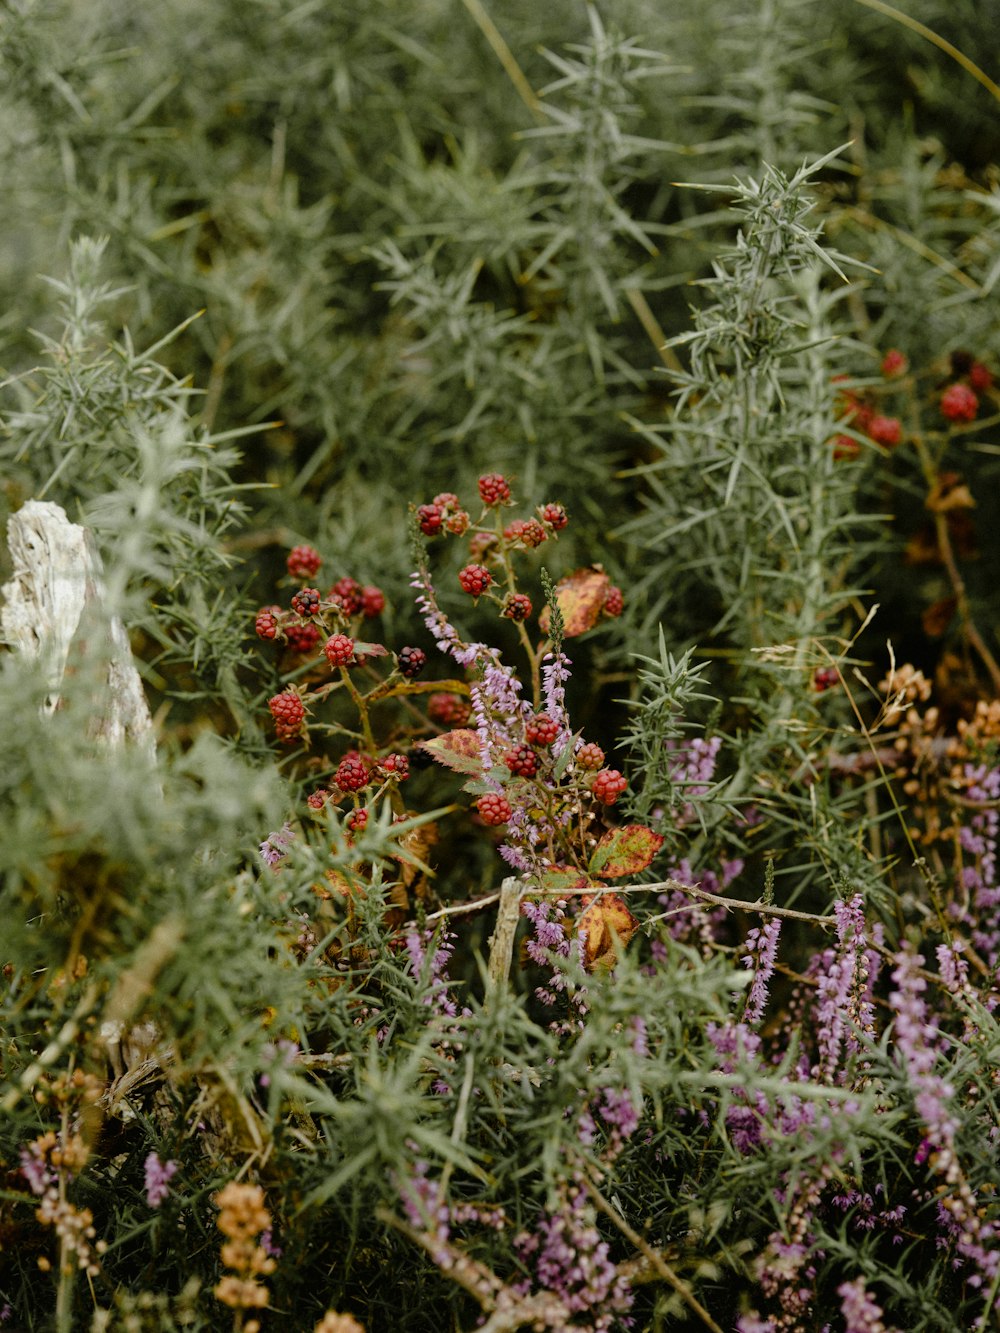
(458, 750)
(605, 927)
(580, 597)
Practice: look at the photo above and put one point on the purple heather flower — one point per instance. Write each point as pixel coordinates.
(429, 964)
(861, 1313)
(36, 1169)
(275, 846)
(158, 1177)
(762, 950)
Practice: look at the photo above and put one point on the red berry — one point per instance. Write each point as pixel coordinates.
(522, 761)
(348, 595)
(411, 661)
(845, 447)
(959, 403)
(351, 774)
(824, 678)
(887, 431)
(447, 500)
(517, 606)
(457, 523)
(372, 601)
(475, 579)
(980, 378)
(493, 809)
(894, 363)
(542, 730)
(614, 603)
(608, 785)
(303, 562)
(289, 713)
(494, 489)
(430, 519)
(589, 757)
(317, 799)
(302, 638)
(306, 602)
(397, 765)
(266, 623)
(554, 515)
(528, 532)
(451, 710)
(339, 650)
(357, 820)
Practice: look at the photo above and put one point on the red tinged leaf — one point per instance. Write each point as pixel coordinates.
(458, 750)
(369, 649)
(605, 928)
(625, 851)
(580, 597)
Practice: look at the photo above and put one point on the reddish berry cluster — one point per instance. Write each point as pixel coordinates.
(444, 511)
(824, 678)
(372, 601)
(554, 515)
(517, 606)
(302, 638)
(475, 579)
(411, 662)
(608, 785)
(303, 562)
(589, 757)
(289, 713)
(493, 809)
(306, 602)
(396, 765)
(494, 489)
(894, 364)
(351, 774)
(522, 761)
(449, 710)
(542, 730)
(526, 532)
(348, 595)
(959, 403)
(614, 603)
(357, 820)
(266, 623)
(317, 799)
(339, 650)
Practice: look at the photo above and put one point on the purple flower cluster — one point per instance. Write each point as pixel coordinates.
(555, 674)
(762, 951)
(158, 1176)
(979, 837)
(844, 1007)
(36, 1170)
(569, 1259)
(274, 848)
(428, 962)
(861, 1312)
(692, 767)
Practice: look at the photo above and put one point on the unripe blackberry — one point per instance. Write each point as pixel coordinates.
(608, 785)
(527, 531)
(302, 638)
(980, 378)
(824, 678)
(348, 595)
(339, 650)
(351, 774)
(554, 515)
(475, 579)
(887, 431)
(480, 543)
(494, 489)
(266, 623)
(522, 761)
(450, 710)
(357, 820)
(457, 523)
(303, 562)
(289, 713)
(614, 603)
(306, 602)
(317, 799)
(493, 809)
(430, 519)
(542, 730)
(959, 403)
(397, 765)
(411, 662)
(447, 501)
(517, 606)
(372, 601)
(845, 447)
(589, 757)
(894, 363)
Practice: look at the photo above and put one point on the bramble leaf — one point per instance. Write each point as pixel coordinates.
(580, 597)
(458, 750)
(625, 851)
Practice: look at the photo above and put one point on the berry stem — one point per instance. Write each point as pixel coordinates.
(510, 581)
